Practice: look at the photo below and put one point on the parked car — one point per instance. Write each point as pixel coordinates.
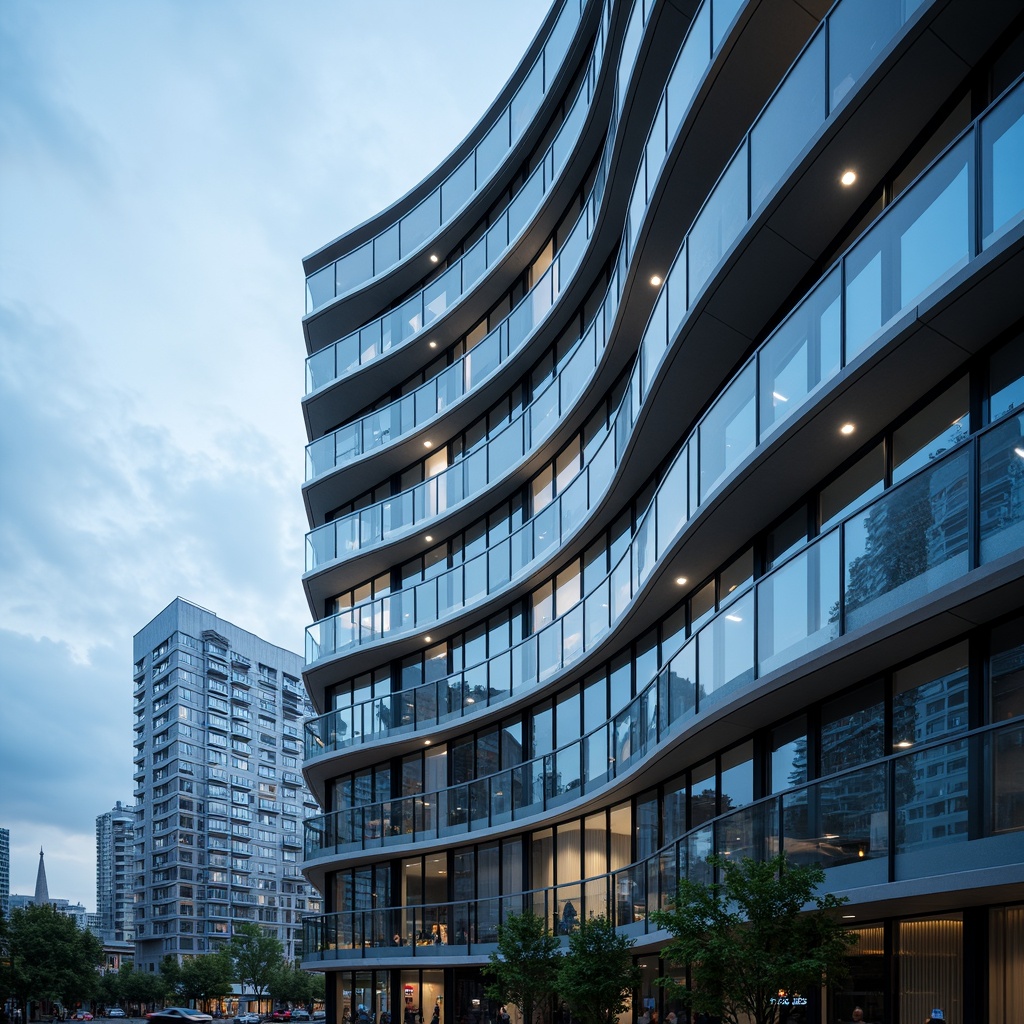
(300, 1014)
(116, 1011)
(82, 1015)
(248, 1018)
(178, 1015)
(281, 1015)
(319, 1015)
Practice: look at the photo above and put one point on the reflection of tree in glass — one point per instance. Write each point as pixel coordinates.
(919, 524)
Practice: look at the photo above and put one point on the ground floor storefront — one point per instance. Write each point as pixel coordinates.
(968, 962)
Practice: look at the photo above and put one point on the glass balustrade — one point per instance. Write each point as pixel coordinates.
(433, 398)
(350, 533)
(401, 325)
(406, 236)
(844, 823)
(778, 380)
(800, 606)
(686, 277)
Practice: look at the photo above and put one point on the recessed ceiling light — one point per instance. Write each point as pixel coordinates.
(847, 429)
(778, 397)
(849, 917)
(433, 257)
(734, 618)
(428, 444)
(655, 280)
(1019, 451)
(428, 538)
(904, 744)
(848, 178)
(427, 638)
(680, 580)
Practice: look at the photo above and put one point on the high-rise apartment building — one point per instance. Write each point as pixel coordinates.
(219, 798)
(665, 488)
(115, 873)
(5, 872)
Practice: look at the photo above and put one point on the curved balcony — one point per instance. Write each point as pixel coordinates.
(389, 519)
(845, 823)
(400, 419)
(845, 580)
(409, 321)
(930, 227)
(415, 229)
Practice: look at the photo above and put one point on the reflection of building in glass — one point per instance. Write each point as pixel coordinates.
(652, 518)
(220, 801)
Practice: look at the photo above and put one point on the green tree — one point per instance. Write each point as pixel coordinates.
(597, 975)
(141, 989)
(50, 958)
(255, 954)
(524, 967)
(206, 977)
(289, 983)
(748, 938)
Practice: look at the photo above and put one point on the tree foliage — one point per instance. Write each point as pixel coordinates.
(597, 975)
(748, 938)
(140, 988)
(524, 968)
(48, 957)
(256, 955)
(206, 977)
(289, 983)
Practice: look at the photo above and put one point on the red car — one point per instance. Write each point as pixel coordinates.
(282, 1015)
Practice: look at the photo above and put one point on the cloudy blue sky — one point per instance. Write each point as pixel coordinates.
(164, 166)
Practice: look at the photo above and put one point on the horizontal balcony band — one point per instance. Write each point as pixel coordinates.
(693, 62)
(806, 604)
(416, 228)
(752, 406)
(338, 464)
(416, 315)
(855, 825)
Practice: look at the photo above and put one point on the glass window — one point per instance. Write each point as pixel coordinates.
(620, 835)
(785, 538)
(852, 729)
(940, 425)
(647, 815)
(1006, 671)
(1006, 378)
(703, 797)
(737, 783)
(1002, 147)
(701, 604)
(789, 754)
(930, 698)
(861, 482)
(931, 967)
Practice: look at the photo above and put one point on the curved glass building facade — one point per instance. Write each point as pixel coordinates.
(665, 487)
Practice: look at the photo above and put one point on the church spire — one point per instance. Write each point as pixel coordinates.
(42, 893)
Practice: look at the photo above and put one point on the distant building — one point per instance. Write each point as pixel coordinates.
(219, 798)
(5, 872)
(65, 907)
(42, 894)
(115, 853)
